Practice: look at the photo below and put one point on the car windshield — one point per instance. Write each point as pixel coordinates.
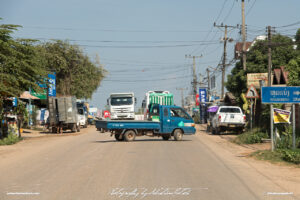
(118, 101)
(230, 110)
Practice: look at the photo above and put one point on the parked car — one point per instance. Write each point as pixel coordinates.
(228, 118)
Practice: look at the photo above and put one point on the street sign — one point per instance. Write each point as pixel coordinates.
(252, 93)
(280, 95)
(254, 78)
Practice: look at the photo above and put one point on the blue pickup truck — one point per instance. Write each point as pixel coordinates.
(165, 121)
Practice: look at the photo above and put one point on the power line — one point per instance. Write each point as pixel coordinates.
(288, 25)
(111, 30)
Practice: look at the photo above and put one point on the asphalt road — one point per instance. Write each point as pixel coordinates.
(94, 166)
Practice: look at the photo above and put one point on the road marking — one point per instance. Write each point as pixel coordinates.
(22, 193)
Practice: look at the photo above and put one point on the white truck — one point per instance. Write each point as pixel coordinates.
(121, 105)
(228, 118)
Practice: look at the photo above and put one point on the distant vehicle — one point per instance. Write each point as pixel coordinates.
(228, 118)
(63, 114)
(82, 114)
(156, 97)
(121, 105)
(171, 121)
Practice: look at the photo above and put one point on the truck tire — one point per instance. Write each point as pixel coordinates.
(119, 137)
(166, 136)
(54, 129)
(78, 128)
(178, 134)
(217, 131)
(73, 129)
(85, 125)
(129, 135)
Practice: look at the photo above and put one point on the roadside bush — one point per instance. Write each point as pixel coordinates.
(251, 137)
(286, 139)
(10, 139)
(290, 155)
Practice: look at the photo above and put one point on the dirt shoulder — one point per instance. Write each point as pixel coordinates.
(31, 138)
(285, 175)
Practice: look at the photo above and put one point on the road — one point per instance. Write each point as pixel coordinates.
(92, 165)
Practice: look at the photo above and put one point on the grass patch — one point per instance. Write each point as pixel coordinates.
(10, 139)
(253, 137)
(281, 155)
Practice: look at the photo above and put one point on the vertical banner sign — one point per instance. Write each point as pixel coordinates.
(202, 95)
(281, 116)
(52, 85)
(202, 99)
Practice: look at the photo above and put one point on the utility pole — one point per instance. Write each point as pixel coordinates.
(182, 99)
(244, 36)
(208, 83)
(194, 83)
(224, 55)
(269, 57)
(270, 84)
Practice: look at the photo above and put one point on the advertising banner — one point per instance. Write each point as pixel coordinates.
(281, 116)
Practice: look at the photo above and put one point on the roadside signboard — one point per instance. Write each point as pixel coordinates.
(280, 95)
(252, 93)
(281, 116)
(254, 78)
(202, 95)
(52, 85)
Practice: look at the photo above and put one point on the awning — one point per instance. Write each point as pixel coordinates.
(212, 109)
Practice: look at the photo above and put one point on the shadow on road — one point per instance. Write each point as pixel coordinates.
(141, 140)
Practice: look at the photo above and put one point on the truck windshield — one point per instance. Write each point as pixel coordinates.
(230, 110)
(118, 101)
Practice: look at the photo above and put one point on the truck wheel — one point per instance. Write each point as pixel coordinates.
(217, 131)
(119, 137)
(129, 135)
(54, 129)
(85, 125)
(78, 128)
(73, 129)
(166, 137)
(178, 135)
(102, 130)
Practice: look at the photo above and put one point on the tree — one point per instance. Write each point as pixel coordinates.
(257, 62)
(76, 74)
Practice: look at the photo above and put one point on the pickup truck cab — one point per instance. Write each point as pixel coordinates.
(228, 118)
(167, 121)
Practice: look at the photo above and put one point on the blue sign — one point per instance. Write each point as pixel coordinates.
(52, 85)
(14, 102)
(280, 95)
(202, 95)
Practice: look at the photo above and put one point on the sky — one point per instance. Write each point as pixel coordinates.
(142, 44)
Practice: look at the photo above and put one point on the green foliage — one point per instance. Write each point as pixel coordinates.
(251, 137)
(294, 71)
(257, 62)
(10, 139)
(290, 155)
(76, 74)
(20, 68)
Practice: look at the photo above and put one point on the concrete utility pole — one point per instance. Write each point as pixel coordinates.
(182, 98)
(244, 36)
(194, 83)
(269, 57)
(270, 84)
(224, 55)
(208, 83)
